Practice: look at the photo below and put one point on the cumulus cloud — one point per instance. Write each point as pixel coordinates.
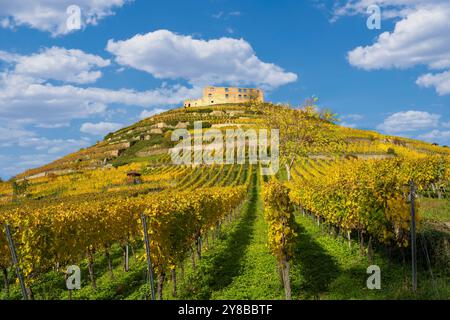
(101, 128)
(33, 100)
(51, 15)
(421, 36)
(437, 136)
(26, 99)
(29, 94)
(41, 91)
(409, 121)
(72, 66)
(440, 81)
(167, 55)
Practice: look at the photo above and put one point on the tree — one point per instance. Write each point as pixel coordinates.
(300, 129)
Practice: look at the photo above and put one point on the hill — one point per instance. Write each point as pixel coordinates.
(338, 202)
(149, 140)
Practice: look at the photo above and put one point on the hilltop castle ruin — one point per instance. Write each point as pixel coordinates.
(223, 95)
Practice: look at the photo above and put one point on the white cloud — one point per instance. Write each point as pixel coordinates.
(167, 55)
(23, 138)
(421, 36)
(11, 136)
(73, 66)
(12, 165)
(409, 121)
(440, 81)
(28, 100)
(437, 136)
(101, 128)
(148, 113)
(51, 15)
(32, 160)
(27, 149)
(54, 146)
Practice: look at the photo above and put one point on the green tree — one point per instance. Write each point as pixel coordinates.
(300, 129)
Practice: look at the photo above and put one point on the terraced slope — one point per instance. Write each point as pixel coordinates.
(207, 221)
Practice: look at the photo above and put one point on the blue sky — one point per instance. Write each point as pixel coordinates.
(63, 89)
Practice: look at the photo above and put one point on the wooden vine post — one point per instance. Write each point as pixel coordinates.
(15, 261)
(413, 236)
(147, 251)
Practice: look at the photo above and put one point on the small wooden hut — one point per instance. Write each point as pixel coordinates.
(134, 177)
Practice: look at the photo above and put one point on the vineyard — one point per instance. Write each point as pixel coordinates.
(340, 202)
